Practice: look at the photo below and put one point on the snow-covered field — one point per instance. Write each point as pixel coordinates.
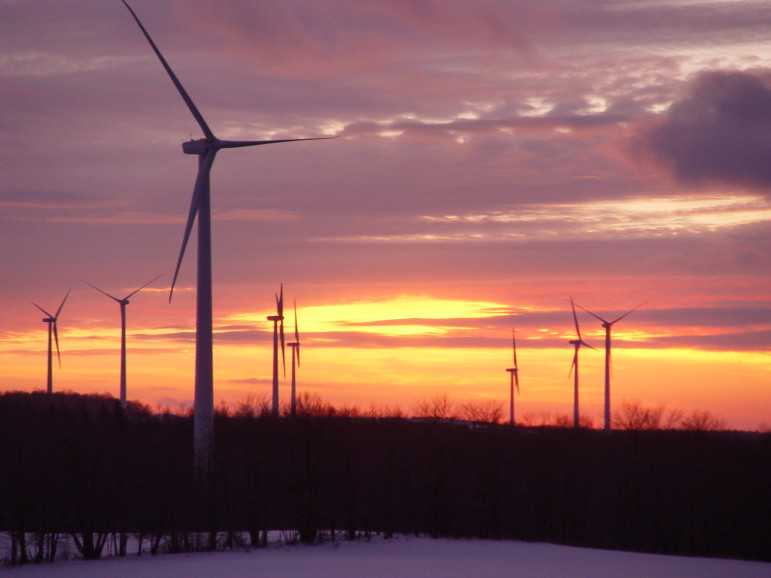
(402, 557)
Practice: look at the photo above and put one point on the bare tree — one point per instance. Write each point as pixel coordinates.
(632, 415)
(702, 420)
(437, 407)
(312, 404)
(487, 411)
(533, 419)
(253, 405)
(223, 409)
(562, 420)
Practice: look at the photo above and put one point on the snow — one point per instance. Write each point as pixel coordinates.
(403, 557)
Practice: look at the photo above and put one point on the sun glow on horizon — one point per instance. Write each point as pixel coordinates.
(394, 351)
(399, 315)
(388, 376)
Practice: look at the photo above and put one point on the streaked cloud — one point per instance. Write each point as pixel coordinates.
(627, 218)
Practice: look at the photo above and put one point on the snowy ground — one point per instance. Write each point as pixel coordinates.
(402, 557)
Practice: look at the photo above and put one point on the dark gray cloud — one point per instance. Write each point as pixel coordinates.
(720, 132)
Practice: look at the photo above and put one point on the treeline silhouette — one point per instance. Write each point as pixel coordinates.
(80, 466)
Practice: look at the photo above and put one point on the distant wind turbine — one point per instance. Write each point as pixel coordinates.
(514, 371)
(295, 345)
(278, 331)
(200, 205)
(607, 326)
(52, 331)
(577, 343)
(122, 302)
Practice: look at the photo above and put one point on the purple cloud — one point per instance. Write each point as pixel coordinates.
(719, 133)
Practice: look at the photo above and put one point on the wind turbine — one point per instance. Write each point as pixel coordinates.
(200, 205)
(122, 302)
(577, 343)
(278, 329)
(295, 345)
(514, 371)
(52, 331)
(607, 325)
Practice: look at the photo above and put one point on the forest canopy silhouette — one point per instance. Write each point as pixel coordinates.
(80, 466)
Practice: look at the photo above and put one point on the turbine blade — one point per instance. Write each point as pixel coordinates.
(43, 310)
(62, 305)
(514, 347)
(575, 360)
(281, 332)
(628, 312)
(188, 101)
(590, 313)
(233, 144)
(56, 339)
(203, 174)
(98, 289)
(298, 353)
(587, 345)
(280, 304)
(516, 380)
(143, 286)
(296, 330)
(575, 318)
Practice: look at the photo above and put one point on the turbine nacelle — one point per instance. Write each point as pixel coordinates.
(196, 147)
(275, 318)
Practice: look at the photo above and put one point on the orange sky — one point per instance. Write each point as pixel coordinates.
(346, 363)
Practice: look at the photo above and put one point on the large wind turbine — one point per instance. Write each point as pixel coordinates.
(52, 331)
(514, 371)
(122, 302)
(278, 330)
(295, 345)
(576, 343)
(607, 326)
(206, 149)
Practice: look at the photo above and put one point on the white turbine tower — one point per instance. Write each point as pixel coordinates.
(607, 325)
(514, 371)
(206, 149)
(576, 343)
(278, 331)
(295, 345)
(122, 303)
(53, 331)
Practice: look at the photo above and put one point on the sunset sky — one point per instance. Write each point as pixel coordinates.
(495, 157)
